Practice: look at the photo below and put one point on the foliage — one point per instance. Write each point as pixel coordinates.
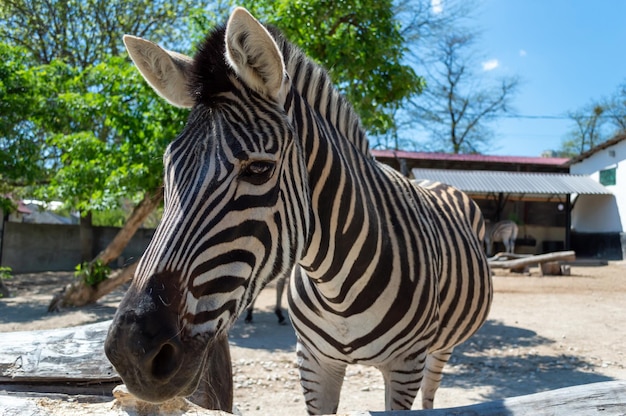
(359, 43)
(92, 273)
(117, 217)
(81, 33)
(78, 123)
(22, 145)
(594, 123)
(112, 136)
(6, 272)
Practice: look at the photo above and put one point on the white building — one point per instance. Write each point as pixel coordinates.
(603, 214)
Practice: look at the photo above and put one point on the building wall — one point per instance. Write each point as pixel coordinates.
(596, 214)
(601, 213)
(33, 248)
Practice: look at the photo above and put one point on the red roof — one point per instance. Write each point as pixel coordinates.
(23, 209)
(400, 154)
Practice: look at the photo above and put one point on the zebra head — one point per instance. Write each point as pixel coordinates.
(235, 205)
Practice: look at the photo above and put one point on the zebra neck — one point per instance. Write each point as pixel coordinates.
(314, 85)
(346, 228)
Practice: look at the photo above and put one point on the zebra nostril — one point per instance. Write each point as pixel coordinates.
(167, 361)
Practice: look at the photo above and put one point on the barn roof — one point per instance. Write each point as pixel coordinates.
(399, 154)
(487, 182)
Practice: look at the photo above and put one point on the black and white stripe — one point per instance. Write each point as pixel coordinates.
(265, 182)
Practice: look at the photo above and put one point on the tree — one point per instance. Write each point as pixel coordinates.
(594, 123)
(108, 131)
(587, 132)
(360, 44)
(113, 151)
(20, 139)
(456, 106)
(82, 33)
(616, 108)
(102, 131)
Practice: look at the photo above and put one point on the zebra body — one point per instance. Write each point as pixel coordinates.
(272, 175)
(504, 231)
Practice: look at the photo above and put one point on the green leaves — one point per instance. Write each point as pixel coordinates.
(114, 134)
(92, 273)
(359, 42)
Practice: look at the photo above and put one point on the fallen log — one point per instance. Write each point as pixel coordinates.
(603, 399)
(124, 404)
(606, 399)
(533, 260)
(69, 369)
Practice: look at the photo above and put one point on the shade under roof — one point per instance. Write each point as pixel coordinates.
(483, 181)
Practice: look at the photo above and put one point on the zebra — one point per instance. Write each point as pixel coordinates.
(272, 175)
(278, 310)
(502, 231)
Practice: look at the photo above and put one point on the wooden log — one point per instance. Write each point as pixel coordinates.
(57, 361)
(602, 399)
(508, 256)
(74, 357)
(550, 268)
(124, 404)
(534, 260)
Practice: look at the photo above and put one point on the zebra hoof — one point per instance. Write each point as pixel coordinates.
(281, 317)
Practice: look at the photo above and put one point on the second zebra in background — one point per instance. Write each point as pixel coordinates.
(502, 231)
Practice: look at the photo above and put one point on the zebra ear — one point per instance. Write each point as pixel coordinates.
(166, 71)
(252, 52)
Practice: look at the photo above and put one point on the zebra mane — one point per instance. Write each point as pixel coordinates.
(211, 76)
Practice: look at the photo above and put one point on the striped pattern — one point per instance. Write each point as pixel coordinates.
(503, 231)
(383, 272)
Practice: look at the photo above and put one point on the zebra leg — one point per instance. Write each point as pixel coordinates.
(433, 374)
(249, 310)
(321, 382)
(403, 379)
(280, 288)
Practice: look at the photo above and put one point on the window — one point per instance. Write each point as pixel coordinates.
(607, 177)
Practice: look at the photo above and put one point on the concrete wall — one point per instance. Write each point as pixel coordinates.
(32, 248)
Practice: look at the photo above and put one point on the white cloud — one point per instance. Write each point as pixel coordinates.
(490, 65)
(522, 53)
(436, 6)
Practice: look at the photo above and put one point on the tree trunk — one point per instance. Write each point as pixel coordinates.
(78, 293)
(86, 237)
(148, 204)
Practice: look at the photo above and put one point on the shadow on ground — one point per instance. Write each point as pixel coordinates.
(504, 358)
(501, 357)
(264, 333)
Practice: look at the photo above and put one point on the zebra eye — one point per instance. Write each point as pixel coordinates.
(257, 172)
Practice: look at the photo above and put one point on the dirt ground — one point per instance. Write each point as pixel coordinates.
(543, 333)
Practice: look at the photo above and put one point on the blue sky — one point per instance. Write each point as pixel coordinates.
(566, 52)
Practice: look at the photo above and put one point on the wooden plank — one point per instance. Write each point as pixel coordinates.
(123, 405)
(597, 399)
(532, 260)
(602, 399)
(65, 355)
